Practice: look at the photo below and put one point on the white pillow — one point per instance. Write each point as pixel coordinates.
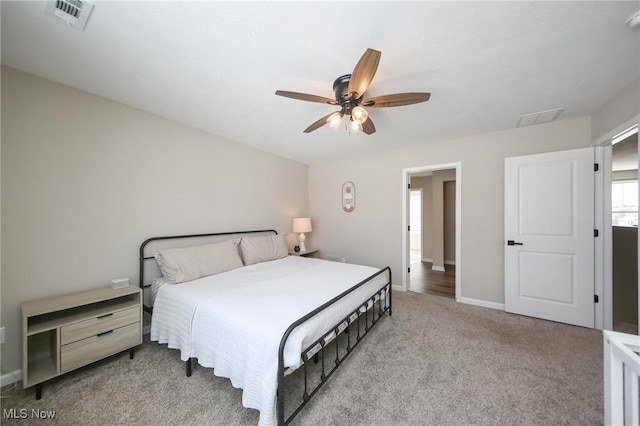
(263, 249)
(186, 264)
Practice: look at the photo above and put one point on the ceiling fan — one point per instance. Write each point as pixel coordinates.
(349, 92)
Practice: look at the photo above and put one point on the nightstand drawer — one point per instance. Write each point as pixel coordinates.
(88, 350)
(94, 326)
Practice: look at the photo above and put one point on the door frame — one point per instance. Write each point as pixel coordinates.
(604, 246)
(406, 180)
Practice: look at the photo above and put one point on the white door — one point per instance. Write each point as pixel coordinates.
(549, 236)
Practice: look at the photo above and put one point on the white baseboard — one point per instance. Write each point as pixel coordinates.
(482, 303)
(437, 268)
(395, 287)
(10, 378)
(446, 262)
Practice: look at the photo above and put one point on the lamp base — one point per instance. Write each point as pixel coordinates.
(302, 239)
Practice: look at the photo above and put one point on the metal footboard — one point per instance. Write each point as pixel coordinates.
(351, 328)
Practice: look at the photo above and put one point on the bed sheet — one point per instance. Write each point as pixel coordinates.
(233, 322)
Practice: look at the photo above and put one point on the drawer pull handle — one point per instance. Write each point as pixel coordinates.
(106, 332)
(104, 316)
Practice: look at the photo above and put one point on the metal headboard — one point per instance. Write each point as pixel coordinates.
(146, 257)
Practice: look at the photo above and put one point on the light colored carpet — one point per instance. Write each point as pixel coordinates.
(434, 362)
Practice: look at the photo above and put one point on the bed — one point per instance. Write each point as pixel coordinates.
(259, 321)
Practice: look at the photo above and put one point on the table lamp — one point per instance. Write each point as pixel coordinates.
(302, 225)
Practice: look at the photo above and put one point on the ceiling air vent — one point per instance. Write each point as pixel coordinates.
(74, 12)
(539, 117)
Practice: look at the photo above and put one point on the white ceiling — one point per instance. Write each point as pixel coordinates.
(216, 65)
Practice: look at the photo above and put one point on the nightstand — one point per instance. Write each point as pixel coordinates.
(61, 334)
(308, 253)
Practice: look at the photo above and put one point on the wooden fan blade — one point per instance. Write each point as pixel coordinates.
(368, 126)
(306, 97)
(324, 120)
(363, 73)
(398, 99)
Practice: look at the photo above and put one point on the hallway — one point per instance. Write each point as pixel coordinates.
(425, 280)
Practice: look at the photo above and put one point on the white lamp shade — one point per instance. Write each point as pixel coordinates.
(302, 224)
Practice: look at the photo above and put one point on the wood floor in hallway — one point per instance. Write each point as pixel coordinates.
(438, 283)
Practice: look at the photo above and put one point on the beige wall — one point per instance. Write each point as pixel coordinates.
(621, 108)
(85, 180)
(372, 233)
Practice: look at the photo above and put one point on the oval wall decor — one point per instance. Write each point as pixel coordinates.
(348, 197)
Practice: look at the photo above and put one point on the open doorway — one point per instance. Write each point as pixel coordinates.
(432, 243)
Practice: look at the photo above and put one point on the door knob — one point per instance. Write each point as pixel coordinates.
(513, 243)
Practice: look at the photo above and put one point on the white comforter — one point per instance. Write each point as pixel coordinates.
(234, 321)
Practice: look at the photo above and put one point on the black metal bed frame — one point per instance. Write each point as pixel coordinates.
(372, 309)
(346, 325)
(144, 258)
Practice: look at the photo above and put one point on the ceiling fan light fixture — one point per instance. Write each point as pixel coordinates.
(359, 114)
(349, 92)
(354, 126)
(334, 120)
